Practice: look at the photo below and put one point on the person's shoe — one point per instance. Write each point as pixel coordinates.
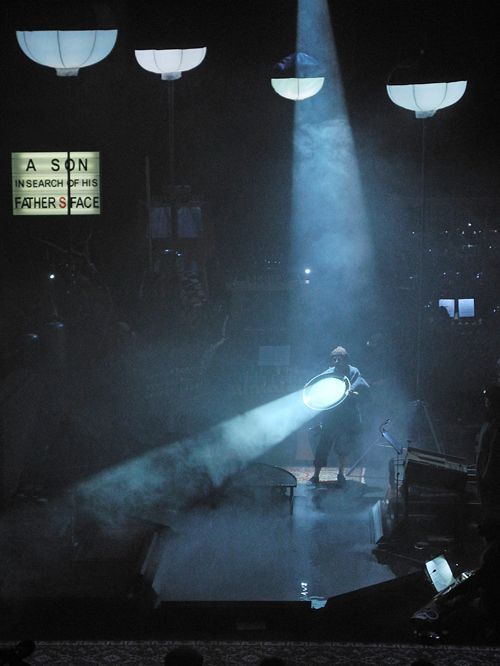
(313, 481)
(340, 479)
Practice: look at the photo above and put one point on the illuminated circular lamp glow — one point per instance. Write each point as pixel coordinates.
(170, 63)
(426, 98)
(325, 391)
(297, 77)
(66, 50)
(298, 89)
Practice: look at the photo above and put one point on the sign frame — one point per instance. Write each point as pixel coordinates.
(56, 183)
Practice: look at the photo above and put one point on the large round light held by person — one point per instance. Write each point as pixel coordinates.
(325, 391)
(426, 98)
(170, 63)
(67, 51)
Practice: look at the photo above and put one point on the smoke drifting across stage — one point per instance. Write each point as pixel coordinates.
(180, 472)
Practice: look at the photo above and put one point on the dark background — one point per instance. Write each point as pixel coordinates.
(234, 149)
(108, 363)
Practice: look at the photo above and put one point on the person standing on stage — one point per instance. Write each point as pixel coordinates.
(341, 426)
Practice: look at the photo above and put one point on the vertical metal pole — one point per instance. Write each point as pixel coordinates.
(148, 205)
(68, 168)
(420, 290)
(421, 405)
(68, 176)
(171, 135)
(171, 155)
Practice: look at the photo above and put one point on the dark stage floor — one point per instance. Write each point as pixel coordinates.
(231, 566)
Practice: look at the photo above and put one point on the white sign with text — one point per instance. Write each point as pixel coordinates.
(63, 183)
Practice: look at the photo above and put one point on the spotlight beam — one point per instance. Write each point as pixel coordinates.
(329, 227)
(179, 472)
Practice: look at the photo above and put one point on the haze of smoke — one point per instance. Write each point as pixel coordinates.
(330, 223)
(183, 471)
(234, 552)
(330, 229)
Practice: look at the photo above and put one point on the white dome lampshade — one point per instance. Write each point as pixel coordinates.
(297, 77)
(298, 89)
(170, 63)
(426, 98)
(66, 50)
